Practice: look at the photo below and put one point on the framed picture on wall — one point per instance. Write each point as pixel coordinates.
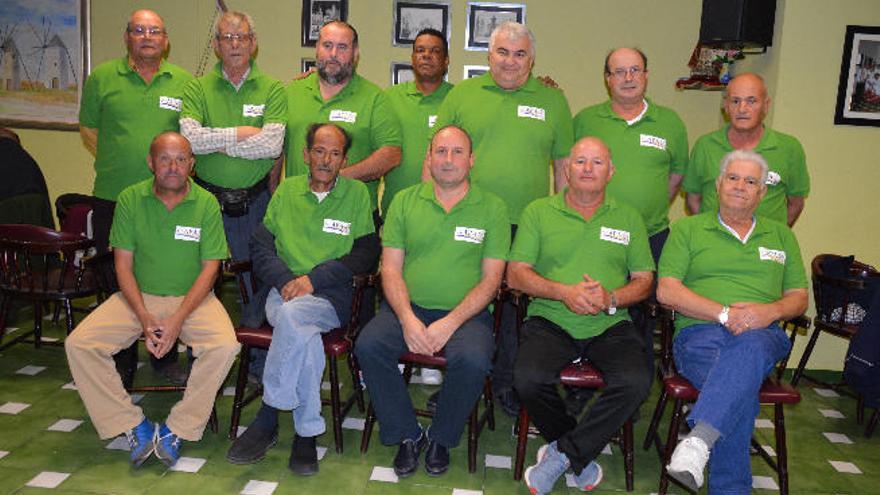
(316, 13)
(307, 64)
(410, 17)
(858, 92)
(474, 71)
(483, 18)
(44, 58)
(401, 72)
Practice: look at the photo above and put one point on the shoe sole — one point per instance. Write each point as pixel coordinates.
(242, 461)
(685, 478)
(138, 461)
(533, 491)
(406, 474)
(592, 487)
(310, 470)
(165, 458)
(435, 472)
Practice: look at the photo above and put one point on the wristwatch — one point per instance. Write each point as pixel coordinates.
(723, 315)
(612, 307)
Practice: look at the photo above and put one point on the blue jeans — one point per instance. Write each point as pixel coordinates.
(469, 359)
(238, 235)
(728, 369)
(295, 362)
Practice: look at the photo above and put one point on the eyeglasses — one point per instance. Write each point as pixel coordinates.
(230, 37)
(143, 32)
(632, 71)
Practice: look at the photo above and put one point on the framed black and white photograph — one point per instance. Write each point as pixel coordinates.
(307, 64)
(474, 71)
(316, 13)
(410, 17)
(401, 72)
(483, 18)
(858, 93)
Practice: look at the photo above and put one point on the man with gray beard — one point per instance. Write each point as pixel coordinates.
(336, 93)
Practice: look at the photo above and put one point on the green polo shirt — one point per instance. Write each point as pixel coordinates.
(784, 154)
(213, 102)
(360, 108)
(168, 247)
(712, 262)
(561, 246)
(308, 233)
(644, 154)
(444, 252)
(128, 113)
(417, 114)
(516, 134)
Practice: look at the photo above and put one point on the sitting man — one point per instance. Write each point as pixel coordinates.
(584, 258)
(317, 234)
(731, 276)
(444, 246)
(167, 240)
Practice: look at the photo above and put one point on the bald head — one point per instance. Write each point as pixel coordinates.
(588, 168)
(746, 102)
(748, 79)
(145, 37)
(169, 139)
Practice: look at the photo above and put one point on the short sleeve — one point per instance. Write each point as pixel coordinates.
(638, 256)
(795, 276)
(498, 237)
(384, 126)
(193, 102)
(213, 237)
(276, 105)
(678, 147)
(563, 129)
(364, 218)
(799, 182)
(394, 229)
(122, 230)
(90, 104)
(527, 242)
(675, 259)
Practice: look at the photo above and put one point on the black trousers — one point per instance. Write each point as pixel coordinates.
(619, 353)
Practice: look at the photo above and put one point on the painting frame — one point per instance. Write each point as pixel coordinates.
(401, 72)
(474, 71)
(410, 15)
(858, 90)
(312, 10)
(483, 17)
(65, 73)
(307, 63)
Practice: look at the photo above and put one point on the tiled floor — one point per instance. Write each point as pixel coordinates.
(47, 444)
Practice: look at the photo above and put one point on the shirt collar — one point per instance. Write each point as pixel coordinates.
(338, 189)
(768, 141)
(411, 89)
(352, 86)
(473, 195)
(530, 86)
(125, 68)
(558, 201)
(190, 195)
(650, 112)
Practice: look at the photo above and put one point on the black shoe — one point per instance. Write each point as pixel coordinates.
(304, 456)
(431, 405)
(509, 402)
(407, 459)
(252, 445)
(436, 459)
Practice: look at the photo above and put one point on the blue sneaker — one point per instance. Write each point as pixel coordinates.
(589, 477)
(541, 477)
(167, 445)
(140, 443)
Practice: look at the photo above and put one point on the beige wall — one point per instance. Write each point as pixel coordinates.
(573, 37)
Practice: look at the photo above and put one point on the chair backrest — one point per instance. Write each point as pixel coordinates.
(103, 270)
(38, 259)
(842, 288)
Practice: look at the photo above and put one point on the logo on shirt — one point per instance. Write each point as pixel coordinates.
(530, 112)
(614, 235)
(776, 255)
(184, 233)
(337, 227)
(169, 103)
(432, 120)
(343, 116)
(773, 178)
(470, 234)
(252, 110)
(650, 141)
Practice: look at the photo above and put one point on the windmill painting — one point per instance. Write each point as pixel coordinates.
(42, 49)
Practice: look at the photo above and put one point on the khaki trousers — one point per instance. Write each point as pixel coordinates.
(113, 326)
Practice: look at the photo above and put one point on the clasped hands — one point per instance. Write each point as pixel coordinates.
(161, 335)
(587, 297)
(429, 339)
(745, 316)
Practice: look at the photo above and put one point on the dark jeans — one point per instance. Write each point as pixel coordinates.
(502, 368)
(619, 353)
(640, 317)
(469, 358)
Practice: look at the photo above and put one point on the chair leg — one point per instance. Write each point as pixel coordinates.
(38, 324)
(651, 436)
(781, 449)
(335, 407)
(354, 369)
(244, 360)
(473, 436)
(68, 315)
(212, 421)
(522, 438)
(4, 313)
(628, 455)
(872, 424)
(805, 357)
(489, 403)
(369, 420)
(671, 441)
(860, 409)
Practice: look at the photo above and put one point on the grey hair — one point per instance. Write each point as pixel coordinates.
(745, 156)
(515, 31)
(235, 18)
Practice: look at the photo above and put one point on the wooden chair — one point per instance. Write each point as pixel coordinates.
(338, 344)
(41, 265)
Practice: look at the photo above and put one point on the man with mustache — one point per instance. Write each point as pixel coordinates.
(168, 242)
(317, 234)
(746, 104)
(336, 93)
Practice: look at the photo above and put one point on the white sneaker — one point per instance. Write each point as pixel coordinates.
(431, 376)
(688, 462)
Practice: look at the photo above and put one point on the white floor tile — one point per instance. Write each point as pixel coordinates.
(11, 330)
(498, 461)
(228, 391)
(607, 449)
(845, 467)
(385, 474)
(30, 370)
(257, 487)
(462, 491)
(3, 453)
(322, 451)
(135, 398)
(47, 479)
(65, 425)
(832, 413)
(826, 392)
(763, 423)
(326, 385)
(118, 443)
(769, 450)
(240, 430)
(764, 483)
(188, 464)
(836, 437)
(69, 386)
(13, 407)
(353, 424)
(140, 364)
(48, 340)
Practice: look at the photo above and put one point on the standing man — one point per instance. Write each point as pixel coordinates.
(445, 243)
(583, 257)
(167, 244)
(746, 104)
(336, 93)
(234, 117)
(519, 128)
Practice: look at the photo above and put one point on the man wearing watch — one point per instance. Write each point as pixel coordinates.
(584, 258)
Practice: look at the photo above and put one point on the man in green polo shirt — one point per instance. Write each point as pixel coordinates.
(730, 275)
(519, 128)
(746, 104)
(584, 258)
(317, 234)
(336, 93)
(234, 117)
(444, 247)
(167, 243)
